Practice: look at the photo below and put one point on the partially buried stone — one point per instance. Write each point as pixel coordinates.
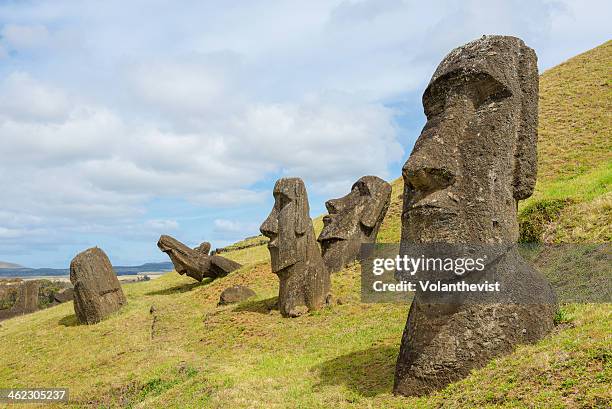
(97, 291)
(234, 294)
(25, 296)
(64, 295)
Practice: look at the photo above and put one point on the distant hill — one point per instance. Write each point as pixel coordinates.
(120, 270)
(4, 264)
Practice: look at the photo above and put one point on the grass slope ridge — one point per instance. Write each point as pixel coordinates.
(192, 353)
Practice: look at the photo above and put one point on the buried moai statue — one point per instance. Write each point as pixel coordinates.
(196, 263)
(97, 291)
(25, 295)
(475, 158)
(295, 255)
(353, 220)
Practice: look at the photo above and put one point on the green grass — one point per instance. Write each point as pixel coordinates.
(575, 149)
(195, 354)
(247, 355)
(575, 117)
(576, 209)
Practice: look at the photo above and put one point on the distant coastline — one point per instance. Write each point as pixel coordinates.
(123, 278)
(30, 273)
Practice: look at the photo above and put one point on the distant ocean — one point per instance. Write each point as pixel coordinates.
(53, 272)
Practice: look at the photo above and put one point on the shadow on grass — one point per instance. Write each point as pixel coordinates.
(69, 321)
(368, 372)
(260, 306)
(183, 288)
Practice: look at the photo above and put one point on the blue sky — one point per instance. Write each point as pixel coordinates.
(123, 120)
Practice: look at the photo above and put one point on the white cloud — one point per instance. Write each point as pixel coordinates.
(230, 198)
(320, 140)
(233, 229)
(162, 225)
(25, 99)
(105, 118)
(24, 36)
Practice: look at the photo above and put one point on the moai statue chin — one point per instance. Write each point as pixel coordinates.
(352, 220)
(475, 158)
(295, 255)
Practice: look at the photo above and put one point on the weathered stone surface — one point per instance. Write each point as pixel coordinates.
(64, 295)
(221, 266)
(295, 255)
(203, 248)
(475, 158)
(352, 220)
(234, 294)
(196, 263)
(97, 292)
(18, 297)
(23, 296)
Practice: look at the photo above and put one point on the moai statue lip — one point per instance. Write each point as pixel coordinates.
(474, 159)
(352, 220)
(294, 253)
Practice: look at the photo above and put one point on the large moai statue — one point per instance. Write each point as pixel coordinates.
(352, 220)
(97, 291)
(475, 158)
(295, 255)
(196, 263)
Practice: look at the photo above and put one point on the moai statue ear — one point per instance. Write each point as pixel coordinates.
(302, 211)
(376, 206)
(526, 160)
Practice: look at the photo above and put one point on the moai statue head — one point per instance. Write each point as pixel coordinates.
(288, 224)
(476, 155)
(352, 220)
(295, 256)
(474, 159)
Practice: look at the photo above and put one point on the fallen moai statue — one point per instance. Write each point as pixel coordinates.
(97, 291)
(196, 263)
(295, 256)
(474, 160)
(353, 220)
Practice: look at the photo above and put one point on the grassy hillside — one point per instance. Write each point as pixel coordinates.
(192, 353)
(573, 198)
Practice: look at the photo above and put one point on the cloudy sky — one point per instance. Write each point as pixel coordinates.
(123, 120)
